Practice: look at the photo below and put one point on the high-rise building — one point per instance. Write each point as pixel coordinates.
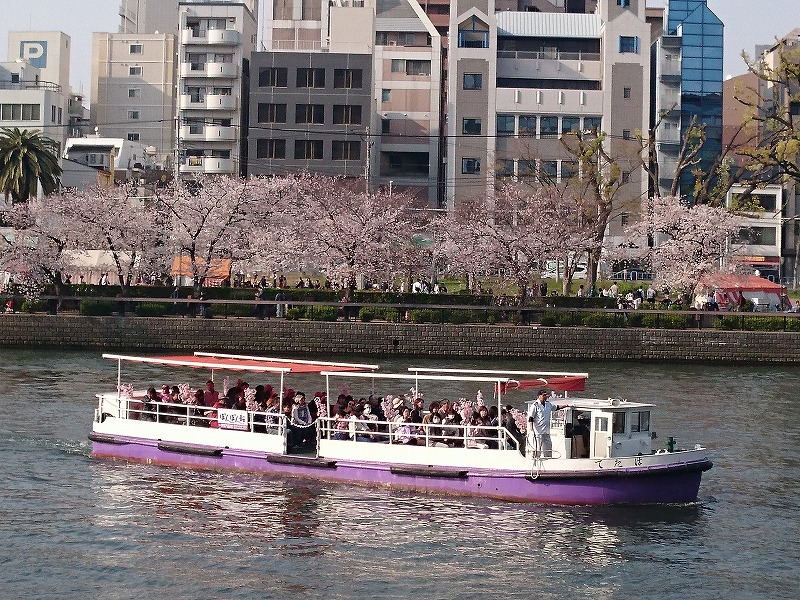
(355, 89)
(134, 89)
(688, 84)
(519, 81)
(215, 42)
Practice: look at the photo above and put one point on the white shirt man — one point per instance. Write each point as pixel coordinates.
(539, 422)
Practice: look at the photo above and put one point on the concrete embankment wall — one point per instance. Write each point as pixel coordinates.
(278, 336)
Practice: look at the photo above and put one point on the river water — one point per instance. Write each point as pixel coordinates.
(76, 527)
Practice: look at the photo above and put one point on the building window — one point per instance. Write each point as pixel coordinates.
(135, 48)
(570, 124)
(626, 177)
(527, 125)
(133, 137)
(548, 127)
(473, 33)
(418, 67)
(381, 38)
(347, 79)
(53, 114)
(628, 44)
(310, 78)
(626, 92)
(386, 126)
(626, 134)
(308, 149)
(310, 113)
(134, 92)
(20, 112)
(569, 170)
(505, 168)
(470, 166)
(271, 113)
(269, 148)
(623, 3)
(15, 78)
(135, 71)
(624, 218)
(386, 95)
(505, 124)
(411, 67)
(549, 170)
(346, 114)
(471, 127)
(759, 236)
(345, 150)
(272, 77)
(133, 115)
(60, 114)
(473, 81)
(592, 125)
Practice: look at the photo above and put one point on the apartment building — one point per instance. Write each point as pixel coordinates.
(520, 80)
(133, 93)
(148, 16)
(215, 42)
(352, 87)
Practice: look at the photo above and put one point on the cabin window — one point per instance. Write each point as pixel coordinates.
(618, 425)
(640, 421)
(600, 424)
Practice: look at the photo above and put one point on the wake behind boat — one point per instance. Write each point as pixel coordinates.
(602, 449)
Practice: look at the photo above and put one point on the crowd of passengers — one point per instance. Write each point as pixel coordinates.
(393, 419)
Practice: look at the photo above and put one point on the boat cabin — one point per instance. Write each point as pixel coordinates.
(595, 428)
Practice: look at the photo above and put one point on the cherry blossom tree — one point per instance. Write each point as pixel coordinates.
(690, 241)
(123, 222)
(38, 252)
(515, 233)
(211, 218)
(348, 232)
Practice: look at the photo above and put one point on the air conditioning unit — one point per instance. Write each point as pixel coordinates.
(392, 43)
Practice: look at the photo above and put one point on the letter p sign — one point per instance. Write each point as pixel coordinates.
(34, 52)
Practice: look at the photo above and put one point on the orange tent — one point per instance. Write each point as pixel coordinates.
(219, 270)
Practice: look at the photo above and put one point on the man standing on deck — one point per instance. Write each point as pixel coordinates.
(539, 423)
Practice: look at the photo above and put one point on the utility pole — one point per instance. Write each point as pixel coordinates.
(368, 143)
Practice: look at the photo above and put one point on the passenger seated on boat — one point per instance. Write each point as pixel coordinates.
(164, 393)
(476, 430)
(418, 412)
(341, 424)
(451, 432)
(211, 395)
(434, 418)
(239, 401)
(212, 415)
(404, 432)
(368, 414)
(149, 408)
(359, 430)
(302, 432)
(196, 414)
(510, 423)
(494, 421)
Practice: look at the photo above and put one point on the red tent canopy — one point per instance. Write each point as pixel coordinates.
(560, 384)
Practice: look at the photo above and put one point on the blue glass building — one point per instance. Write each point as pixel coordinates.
(696, 33)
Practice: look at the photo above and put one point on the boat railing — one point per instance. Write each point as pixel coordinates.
(192, 415)
(420, 434)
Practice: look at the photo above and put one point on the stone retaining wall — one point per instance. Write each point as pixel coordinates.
(278, 336)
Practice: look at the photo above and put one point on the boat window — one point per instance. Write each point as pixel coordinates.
(600, 424)
(619, 423)
(640, 421)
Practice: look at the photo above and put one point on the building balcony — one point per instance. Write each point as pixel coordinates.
(191, 102)
(210, 69)
(221, 102)
(192, 36)
(208, 133)
(208, 164)
(224, 37)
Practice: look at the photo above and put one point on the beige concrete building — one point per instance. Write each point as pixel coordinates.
(133, 91)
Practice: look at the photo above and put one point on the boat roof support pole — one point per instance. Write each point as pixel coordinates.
(280, 396)
(119, 377)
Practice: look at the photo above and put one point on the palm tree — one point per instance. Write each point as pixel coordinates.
(27, 159)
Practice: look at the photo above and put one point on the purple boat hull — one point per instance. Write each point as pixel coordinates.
(674, 484)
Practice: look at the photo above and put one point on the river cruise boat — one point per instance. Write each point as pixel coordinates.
(602, 449)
